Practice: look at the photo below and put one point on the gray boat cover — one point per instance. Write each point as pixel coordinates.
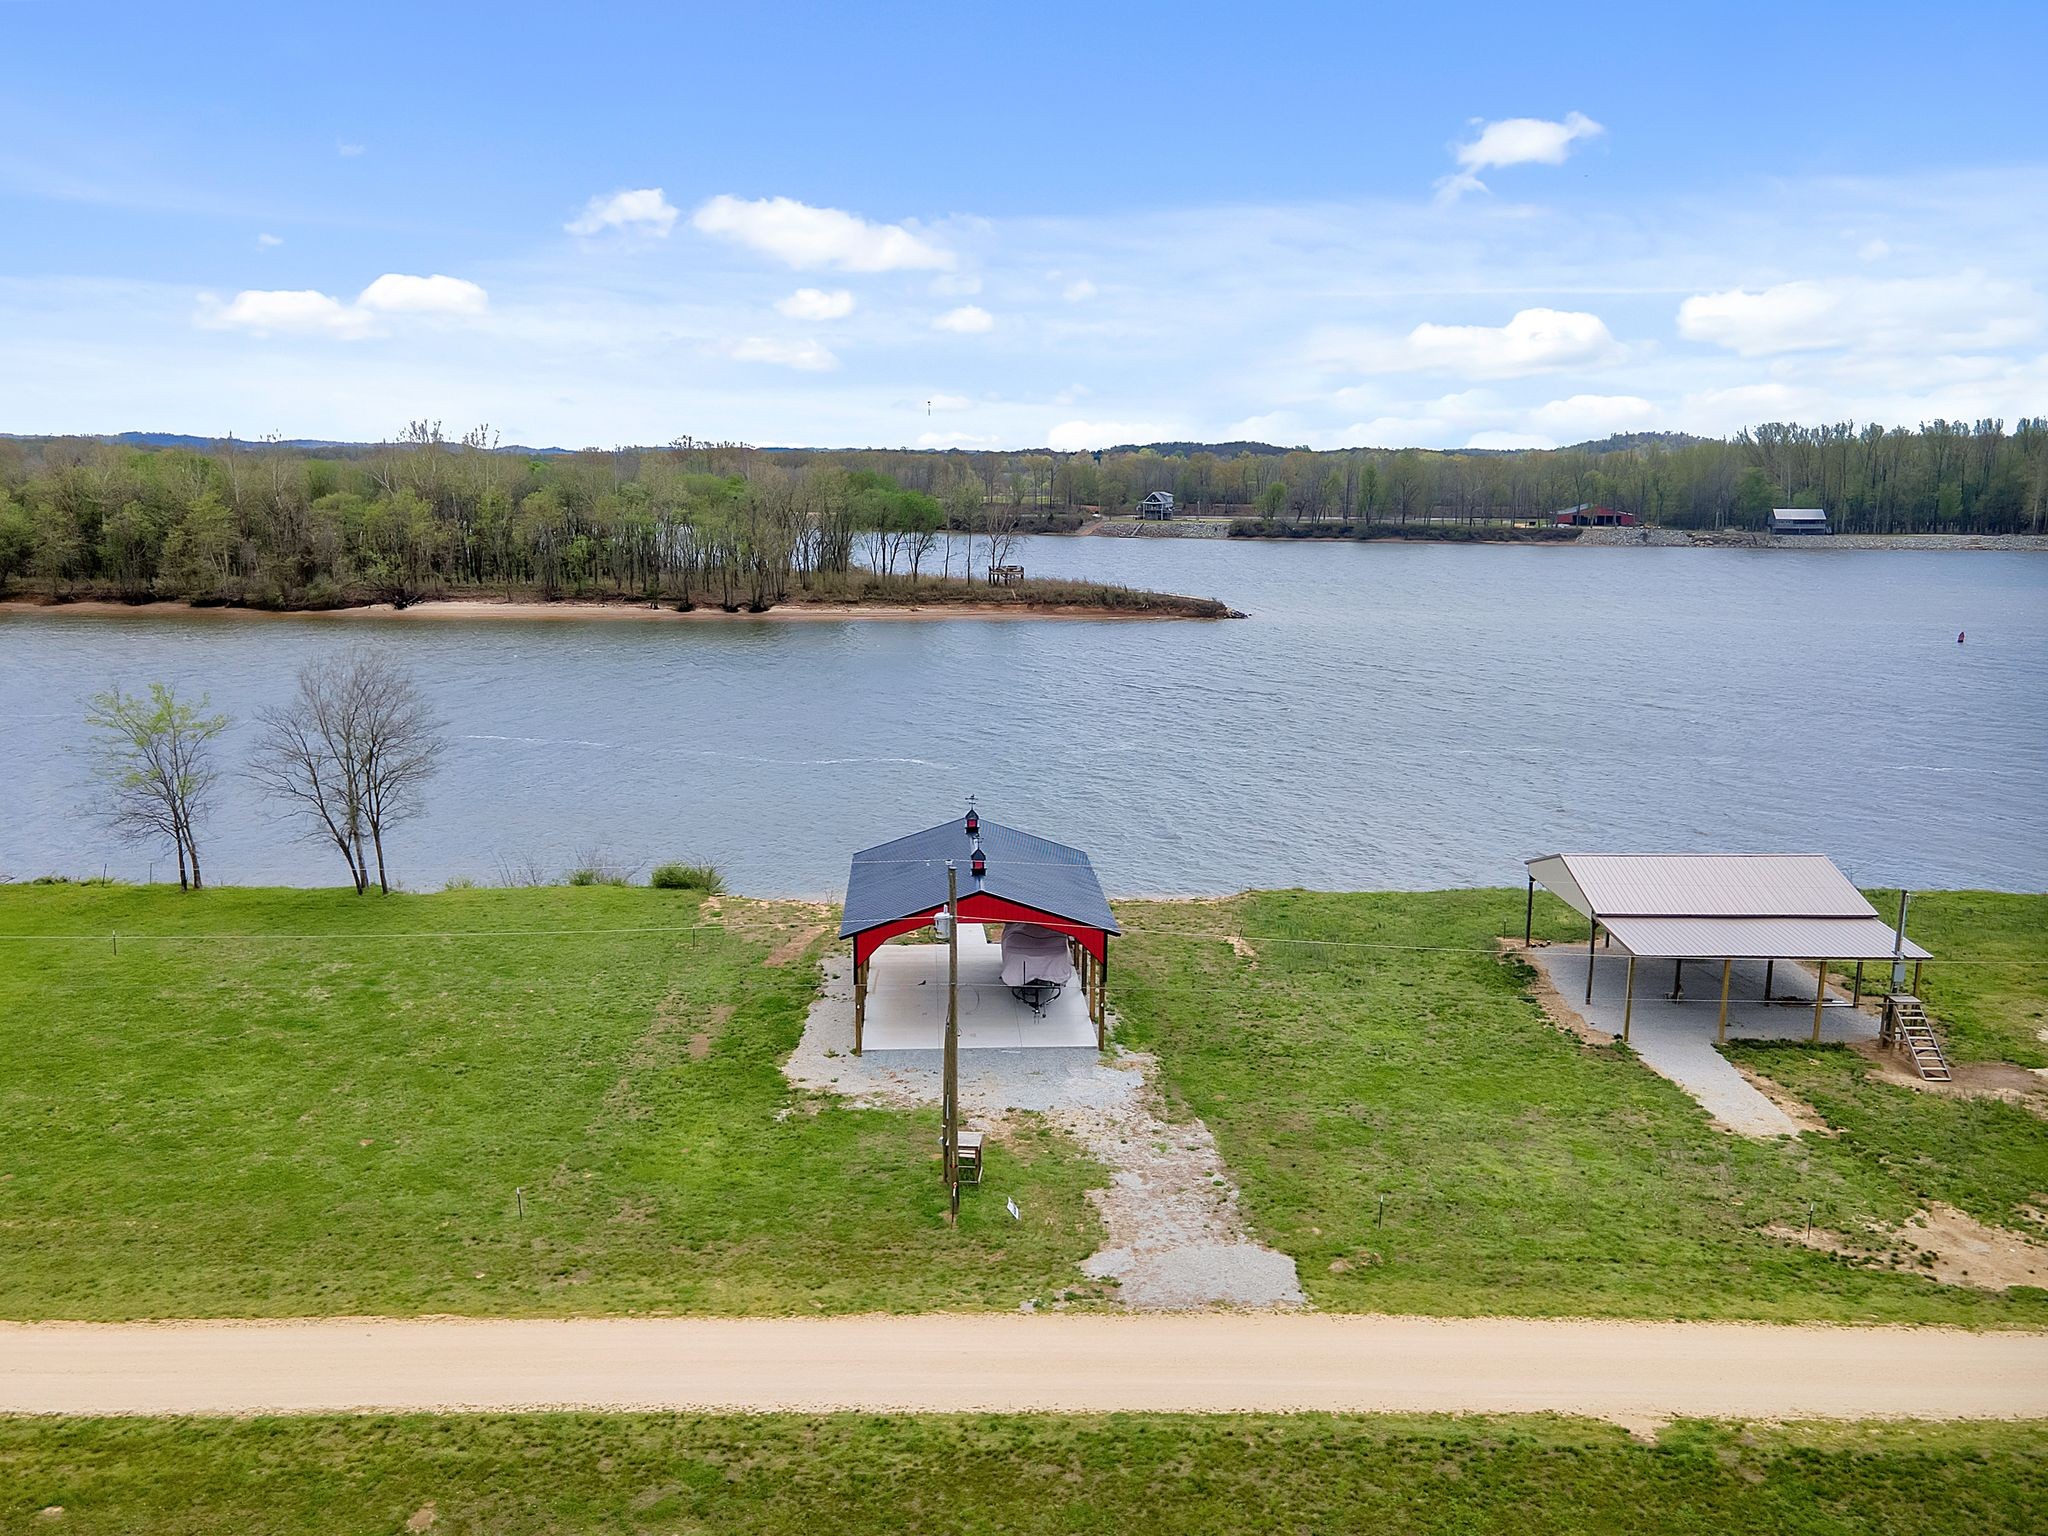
(1032, 953)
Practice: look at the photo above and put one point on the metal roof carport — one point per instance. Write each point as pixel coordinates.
(1721, 906)
(899, 886)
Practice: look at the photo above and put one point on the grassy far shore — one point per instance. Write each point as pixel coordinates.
(569, 1473)
(270, 1102)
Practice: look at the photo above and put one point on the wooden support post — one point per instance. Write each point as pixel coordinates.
(1727, 971)
(1820, 993)
(1678, 981)
(1628, 1001)
(860, 1003)
(1592, 937)
(1102, 1001)
(1770, 969)
(1856, 987)
(1529, 913)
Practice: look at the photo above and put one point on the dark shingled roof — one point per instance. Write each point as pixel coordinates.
(903, 878)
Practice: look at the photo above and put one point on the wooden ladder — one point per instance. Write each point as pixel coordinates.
(1916, 1034)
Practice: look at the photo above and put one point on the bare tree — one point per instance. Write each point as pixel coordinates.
(401, 746)
(153, 765)
(350, 754)
(1000, 527)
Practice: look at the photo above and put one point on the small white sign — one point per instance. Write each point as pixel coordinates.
(1010, 1205)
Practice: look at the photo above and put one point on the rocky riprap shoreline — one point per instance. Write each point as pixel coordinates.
(1677, 538)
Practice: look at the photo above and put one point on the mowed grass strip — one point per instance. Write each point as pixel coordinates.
(292, 1103)
(1405, 1122)
(1986, 1156)
(1987, 985)
(858, 1474)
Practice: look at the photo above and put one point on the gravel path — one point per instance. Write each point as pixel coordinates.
(1176, 1239)
(1636, 1374)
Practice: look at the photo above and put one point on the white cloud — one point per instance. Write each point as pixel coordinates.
(397, 294)
(347, 151)
(1081, 436)
(954, 440)
(1073, 394)
(1533, 341)
(1078, 290)
(1874, 250)
(948, 403)
(267, 242)
(1580, 418)
(280, 311)
(1514, 141)
(817, 304)
(644, 211)
(805, 356)
(306, 312)
(967, 320)
(1909, 314)
(1475, 418)
(805, 237)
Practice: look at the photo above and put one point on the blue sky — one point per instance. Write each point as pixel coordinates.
(1004, 226)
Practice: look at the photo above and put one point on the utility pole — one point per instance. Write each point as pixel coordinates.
(950, 1093)
(1899, 945)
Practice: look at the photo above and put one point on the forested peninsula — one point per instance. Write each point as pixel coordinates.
(691, 528)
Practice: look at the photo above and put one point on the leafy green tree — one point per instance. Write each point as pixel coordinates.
(17, 539)
(1755, 494)
(202, 552)
(131, 545)
(153, 769)
(55, 549)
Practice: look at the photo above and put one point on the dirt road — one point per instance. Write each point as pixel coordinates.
(1633, 1373)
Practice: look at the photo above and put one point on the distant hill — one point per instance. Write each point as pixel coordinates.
(1621, 441)
(1183, 450)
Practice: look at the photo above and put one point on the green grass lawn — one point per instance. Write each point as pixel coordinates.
(1986, 1156)
(305, 1102)
(1987, 986)
(1987, 990)
(567, 1474)
(1522, 1171)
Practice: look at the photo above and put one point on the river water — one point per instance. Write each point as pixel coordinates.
(1388, 717)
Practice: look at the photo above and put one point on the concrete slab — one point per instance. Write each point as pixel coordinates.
(1174, 1236)
(1675, 1037)
(907, 1003)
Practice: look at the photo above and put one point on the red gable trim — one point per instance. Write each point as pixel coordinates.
(980, 907)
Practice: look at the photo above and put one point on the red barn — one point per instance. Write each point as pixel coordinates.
(1586, 515)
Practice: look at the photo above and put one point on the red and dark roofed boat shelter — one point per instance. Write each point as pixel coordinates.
(1005, 876)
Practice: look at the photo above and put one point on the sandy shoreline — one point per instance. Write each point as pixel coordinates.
(571, 611)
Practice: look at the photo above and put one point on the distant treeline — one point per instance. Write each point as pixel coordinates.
(745, 527)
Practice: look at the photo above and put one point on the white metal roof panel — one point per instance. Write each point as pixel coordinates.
(1759, 938)
(1613, 885)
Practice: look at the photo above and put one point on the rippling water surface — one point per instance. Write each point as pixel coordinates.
(1388, 717)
